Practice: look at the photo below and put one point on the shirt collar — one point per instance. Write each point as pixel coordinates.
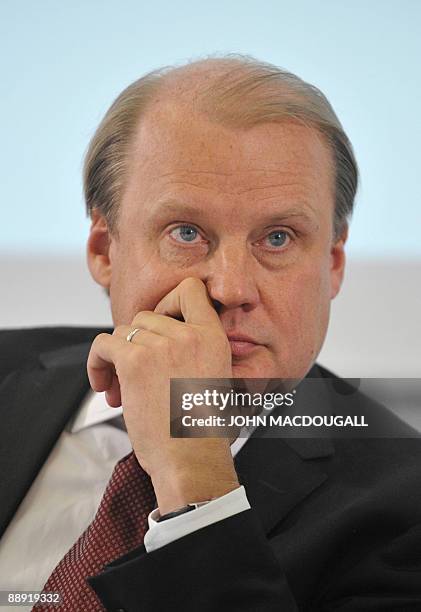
(93, 410)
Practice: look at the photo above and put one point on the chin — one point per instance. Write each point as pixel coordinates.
(249, 369)
(264, 367)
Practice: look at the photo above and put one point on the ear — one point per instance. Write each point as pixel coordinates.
(337, 263)
(97, 250)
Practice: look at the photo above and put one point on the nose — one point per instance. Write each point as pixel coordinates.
(230, 278)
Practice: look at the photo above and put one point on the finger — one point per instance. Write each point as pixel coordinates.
(101, 359)
(143, 337)
(113, 394)
(158, 324)
(190, 300)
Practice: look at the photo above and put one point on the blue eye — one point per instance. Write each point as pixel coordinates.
(278, 238)
(185, 233)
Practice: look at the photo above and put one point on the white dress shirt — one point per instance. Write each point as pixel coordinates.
(63, 499)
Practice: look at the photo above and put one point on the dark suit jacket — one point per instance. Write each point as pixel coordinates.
(334, 524)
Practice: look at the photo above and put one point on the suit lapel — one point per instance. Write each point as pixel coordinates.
(276, 477)
(36, 404)
(278, 473)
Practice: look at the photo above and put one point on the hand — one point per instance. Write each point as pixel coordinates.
(137, 376)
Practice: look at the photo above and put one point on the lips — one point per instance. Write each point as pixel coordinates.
(242, 345)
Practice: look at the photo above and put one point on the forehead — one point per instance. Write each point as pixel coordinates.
(179, 154)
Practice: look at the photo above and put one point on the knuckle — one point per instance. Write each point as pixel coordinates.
(99, 339)
(162, 343)
(141, 315)
(119, 330)
(192, 281)
(189, 336)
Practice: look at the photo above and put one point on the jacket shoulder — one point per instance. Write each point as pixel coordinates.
(384, 421)
(20, 347)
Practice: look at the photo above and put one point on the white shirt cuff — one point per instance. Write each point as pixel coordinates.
(160, 534)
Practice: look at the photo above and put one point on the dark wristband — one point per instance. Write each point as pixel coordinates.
(183, 510)
(170, 515)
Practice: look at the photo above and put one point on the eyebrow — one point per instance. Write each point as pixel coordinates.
(173, 207)
(170, 207)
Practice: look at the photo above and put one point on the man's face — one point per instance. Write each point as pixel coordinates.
(247, 211)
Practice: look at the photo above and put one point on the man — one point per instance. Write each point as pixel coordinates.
(219, 194)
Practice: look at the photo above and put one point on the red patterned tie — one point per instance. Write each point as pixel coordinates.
(118, 527)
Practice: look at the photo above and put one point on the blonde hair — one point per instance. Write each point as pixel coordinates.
(233, 90)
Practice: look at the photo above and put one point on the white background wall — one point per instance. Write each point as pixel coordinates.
(64, 62)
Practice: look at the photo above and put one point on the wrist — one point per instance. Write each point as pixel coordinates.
(177, 490)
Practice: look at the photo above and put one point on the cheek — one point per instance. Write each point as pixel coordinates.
(301, 310)
(177, 257)
(139, 281)
(313, 297)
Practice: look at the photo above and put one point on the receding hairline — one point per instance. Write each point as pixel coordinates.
(235, 91)
(206, 85)
(193, 90)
